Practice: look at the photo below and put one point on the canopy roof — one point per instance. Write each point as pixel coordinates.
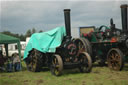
(6, 39)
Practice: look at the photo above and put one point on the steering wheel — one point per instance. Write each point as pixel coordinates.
(105, 33)
(106, 28)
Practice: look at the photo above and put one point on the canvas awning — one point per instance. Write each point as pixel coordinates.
(6, 39)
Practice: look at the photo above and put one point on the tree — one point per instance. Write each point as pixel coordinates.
(11, 34)
(7, 33)
(33, 30)
(22, 37)
(40, 31)
(28, 33)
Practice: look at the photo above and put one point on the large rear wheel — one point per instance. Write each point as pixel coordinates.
(84, 45)
(88, 46)
(80, 45)
(34, 61)
(56, 65)
(115, 59)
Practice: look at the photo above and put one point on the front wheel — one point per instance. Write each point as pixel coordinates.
(85, 62)
(56, 65)
(115, 59)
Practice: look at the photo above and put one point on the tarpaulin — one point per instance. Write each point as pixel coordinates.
(45, 41)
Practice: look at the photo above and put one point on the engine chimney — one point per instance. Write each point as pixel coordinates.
(112, 25)
(67, 22)
(124, 16)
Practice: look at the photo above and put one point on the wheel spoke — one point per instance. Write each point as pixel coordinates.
(79, 45)
(112, 56)
(117, 57)
(55, 60)
(57, 66)
(112, 64)
(117, 65)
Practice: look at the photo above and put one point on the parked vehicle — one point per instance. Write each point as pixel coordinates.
(110, 44)
(69, 54)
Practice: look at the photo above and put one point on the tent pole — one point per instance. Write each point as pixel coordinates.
(6, 49)
(19, 50)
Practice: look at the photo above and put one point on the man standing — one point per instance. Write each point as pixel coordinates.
(16, 62)
(2, 61)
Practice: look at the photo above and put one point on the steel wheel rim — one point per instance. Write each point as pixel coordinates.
(80, 45)
(55, 66)
(84, 62)
(114, 60)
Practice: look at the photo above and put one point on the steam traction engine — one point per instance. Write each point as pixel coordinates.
(111, 44)
(70, 54)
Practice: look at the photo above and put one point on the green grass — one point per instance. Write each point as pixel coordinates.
(98, 76)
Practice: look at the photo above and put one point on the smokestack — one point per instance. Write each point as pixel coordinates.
(124, 16)
(112, 25)
(67, 22)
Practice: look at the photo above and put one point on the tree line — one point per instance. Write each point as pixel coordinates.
(21, 36)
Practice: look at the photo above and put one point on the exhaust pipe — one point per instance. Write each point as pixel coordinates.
(67, 22)
(124, 16)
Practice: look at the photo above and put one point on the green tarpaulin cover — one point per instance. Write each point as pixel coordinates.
(45, 41)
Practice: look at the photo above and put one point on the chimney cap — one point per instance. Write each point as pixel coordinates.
(66, 9)
(124, 6)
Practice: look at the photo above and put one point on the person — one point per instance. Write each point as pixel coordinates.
(9, 65)
(16, 62)
(2, 61)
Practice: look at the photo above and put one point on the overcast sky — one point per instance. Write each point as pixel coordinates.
(19, 16)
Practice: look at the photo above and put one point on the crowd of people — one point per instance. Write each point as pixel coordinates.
(9, 64)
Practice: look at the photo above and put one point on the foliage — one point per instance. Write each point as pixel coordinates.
(22, 37)
(28, 33)
(33, 30)
(40, 31)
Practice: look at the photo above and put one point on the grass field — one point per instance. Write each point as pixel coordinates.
(98, 76)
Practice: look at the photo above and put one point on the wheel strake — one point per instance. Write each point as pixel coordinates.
(34, 61)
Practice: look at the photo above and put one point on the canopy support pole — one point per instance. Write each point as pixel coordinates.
(6, 49)
(19, 50)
